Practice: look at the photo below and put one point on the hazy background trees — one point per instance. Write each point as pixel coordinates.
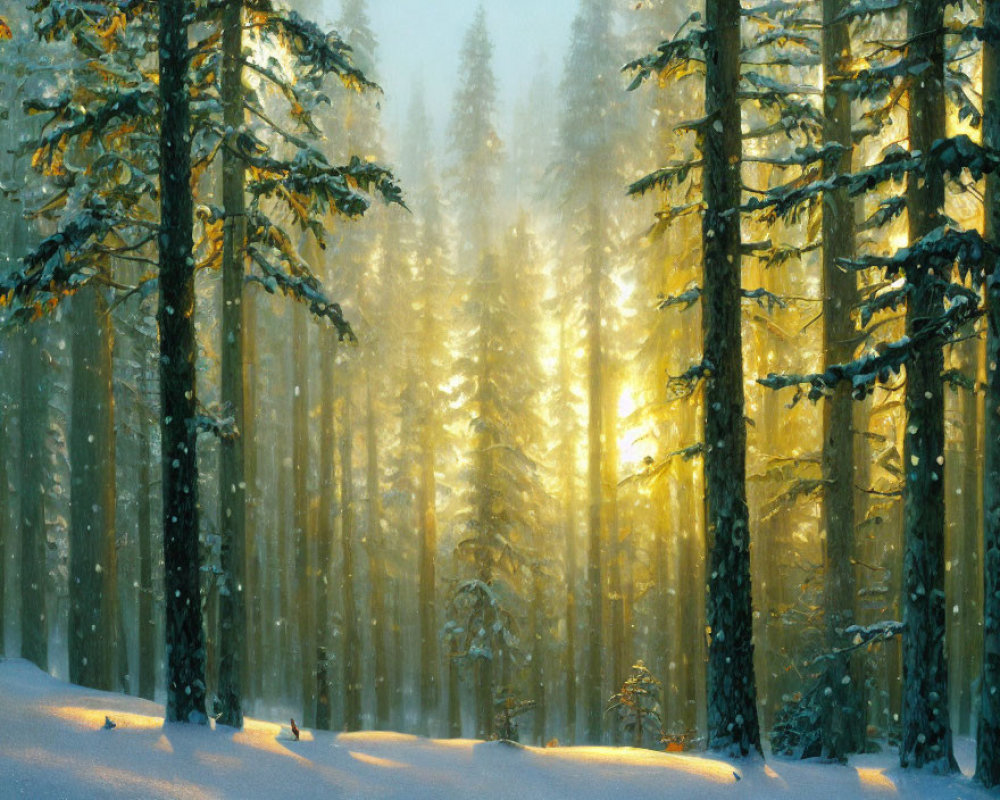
(526, 447)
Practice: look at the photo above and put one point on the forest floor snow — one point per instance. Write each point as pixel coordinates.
(53, 745)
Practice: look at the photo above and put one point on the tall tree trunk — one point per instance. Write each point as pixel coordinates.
(93, 569)
(732, 690)
(325, 532)
(232, 481)
(300, 507)
(352, 637)
(593, 676)
(844, 719)
(988, 732)
(376, 561)
(34, 421)
(926, 734)
(185, 637)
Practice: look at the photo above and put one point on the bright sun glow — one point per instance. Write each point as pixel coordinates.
(634, 439)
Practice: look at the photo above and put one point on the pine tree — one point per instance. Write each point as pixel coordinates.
(925, 718)
(732, 694)
(586, 160)
(923, 283)
(476, 149)
(175, 316)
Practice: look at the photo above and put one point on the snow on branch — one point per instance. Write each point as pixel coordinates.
(952, 157)
(879, 366)
(671, 54)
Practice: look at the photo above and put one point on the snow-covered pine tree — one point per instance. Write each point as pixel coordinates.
(732, 695)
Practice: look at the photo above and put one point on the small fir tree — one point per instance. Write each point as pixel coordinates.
(637, 704)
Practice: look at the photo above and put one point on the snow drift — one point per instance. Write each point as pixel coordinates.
(53, 744)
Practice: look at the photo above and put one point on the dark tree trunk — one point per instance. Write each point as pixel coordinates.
(844, 719)
(732, 691)
(926, 727)
(185, 637)
(34, 421)
(93, 591)
(988, 733)
(232, 481)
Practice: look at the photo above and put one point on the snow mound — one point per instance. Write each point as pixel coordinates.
(53, 744)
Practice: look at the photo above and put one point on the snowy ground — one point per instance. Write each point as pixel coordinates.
(52, 745)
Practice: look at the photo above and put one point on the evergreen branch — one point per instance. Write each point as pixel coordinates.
(320, 53)
(669, 54)
(664, 178)
(943, 246)
(888, 359)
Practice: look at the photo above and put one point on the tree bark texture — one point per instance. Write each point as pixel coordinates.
(185, 637)
(926, 727)
(732, 693)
